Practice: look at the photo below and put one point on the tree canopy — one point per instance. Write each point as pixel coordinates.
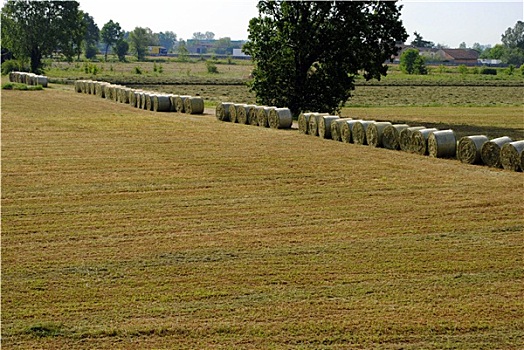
(35, 29)
(110, 34)
(420, 42)
(140, 38)
(307, 54)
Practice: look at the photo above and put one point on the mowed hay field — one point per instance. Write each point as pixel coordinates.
(127, 229)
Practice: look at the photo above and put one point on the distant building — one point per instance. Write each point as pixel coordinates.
(211, 46)
(458, 56)
(157, 50)
(239, 54)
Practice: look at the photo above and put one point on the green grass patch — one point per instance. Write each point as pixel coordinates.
(21, 87)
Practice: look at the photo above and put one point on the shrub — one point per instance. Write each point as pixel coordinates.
(412, 63)
(137, 70)
(510, 70)
(462, 69)
(488, 71)
(211, 67)
(23, 87)
(11, 66)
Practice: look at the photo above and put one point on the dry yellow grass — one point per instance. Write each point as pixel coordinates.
(124, 228)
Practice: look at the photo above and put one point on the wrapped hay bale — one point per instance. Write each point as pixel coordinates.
(490, 151)
(280, 118)
(143, 98)
(243, 112)
(375, 132)
(12, 76)
(336, 128)
(161, 103)
(124, 95)
(42, 80)
(346, 130)
(324, 125)
(419, 141)
(194, 105)
(442, 144)
(222, 111)
(180, 103)
(405, 137)
(468, 148)
(263, 116)
(358, 131)
(391, 136)
(511, 155)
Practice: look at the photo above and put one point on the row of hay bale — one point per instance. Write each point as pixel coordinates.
(265, 116)
(147, 100)
(28, 78)
(500, 152)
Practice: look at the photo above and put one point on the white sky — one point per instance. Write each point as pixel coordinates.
(443, 22)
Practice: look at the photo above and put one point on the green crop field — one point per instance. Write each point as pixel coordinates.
(128, 229)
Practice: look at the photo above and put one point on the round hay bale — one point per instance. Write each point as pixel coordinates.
(522, 161)
(252, 118)
(180, 103)
(91, 87)
(280, 118)
(78, 85)
(258, 110)
(243, 112)
(222, 111)
(150, 101)
(303, 122)
(42, 80)
(490, 151)
(194, 105)
(391, 136)
(419, 141)
(375, 132)
(442, 144)
(359, 131)
(324, 125)
(405, 137)
(233, 112)
(346, 130)
(263, 116)
(172, 101)
(313, 123)
(161, 103)
(468, 149)
(124, 95)
(336, 128)
(511, 155)
(12, 77)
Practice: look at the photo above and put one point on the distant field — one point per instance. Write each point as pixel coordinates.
(128, 229)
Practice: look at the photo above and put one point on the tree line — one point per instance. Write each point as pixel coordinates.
(28, 36)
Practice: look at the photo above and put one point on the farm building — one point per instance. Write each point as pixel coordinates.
(458, 56)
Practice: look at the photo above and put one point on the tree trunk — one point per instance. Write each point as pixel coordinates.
(36, 60)
(107, 48)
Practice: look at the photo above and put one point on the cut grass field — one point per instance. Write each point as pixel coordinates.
(129, 229)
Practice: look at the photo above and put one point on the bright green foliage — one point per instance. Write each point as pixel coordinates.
(307, 54)
(411, 62)
(110, 34)
(35, 29)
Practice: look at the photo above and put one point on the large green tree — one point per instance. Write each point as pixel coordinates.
(110, 34)
(308, 54)
(35, 29)
(513, 40)
(411, 62)
(140, 38)
(91, 37)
